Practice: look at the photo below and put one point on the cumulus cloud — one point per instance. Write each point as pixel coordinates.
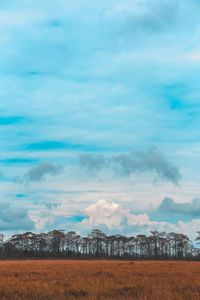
(138, 161)
(38, 173)
(112, 218)
(14, 219)
(192, 208)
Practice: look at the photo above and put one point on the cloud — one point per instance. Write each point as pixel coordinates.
(155, 17)
(101, 69)
(109, 217)
(148, 161)
(194, 57)
(113, 219)
(14, 219)
(92, 162)
(169, 206)
(38, 173)
(138, 161)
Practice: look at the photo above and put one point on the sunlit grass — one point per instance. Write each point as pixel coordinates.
(152, 280)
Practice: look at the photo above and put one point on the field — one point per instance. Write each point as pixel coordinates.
(62, 279)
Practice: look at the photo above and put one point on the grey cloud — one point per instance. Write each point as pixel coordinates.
(14, 219)
(156, 17)
(152, 160)
(50, 205)
(92, 162)
(138, 161)
(190, 208)
(38, 173)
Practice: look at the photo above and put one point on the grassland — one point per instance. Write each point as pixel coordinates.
(144, 280)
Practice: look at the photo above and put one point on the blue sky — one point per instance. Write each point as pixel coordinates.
(99, 115)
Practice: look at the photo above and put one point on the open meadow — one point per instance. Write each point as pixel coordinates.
(63, 279)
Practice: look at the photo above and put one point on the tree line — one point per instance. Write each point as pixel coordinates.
(58, 244)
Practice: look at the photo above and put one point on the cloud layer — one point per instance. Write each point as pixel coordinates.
(96, 79)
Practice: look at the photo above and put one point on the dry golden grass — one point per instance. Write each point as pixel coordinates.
(63, 279)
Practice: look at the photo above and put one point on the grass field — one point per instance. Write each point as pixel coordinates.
(64, 279)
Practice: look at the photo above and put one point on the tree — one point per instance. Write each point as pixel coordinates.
(57, 243)
(97, 237)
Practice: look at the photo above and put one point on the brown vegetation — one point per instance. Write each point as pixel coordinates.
(61, 279)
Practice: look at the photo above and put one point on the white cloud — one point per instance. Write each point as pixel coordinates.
(111, 217)
(194, 57)
(42, 219)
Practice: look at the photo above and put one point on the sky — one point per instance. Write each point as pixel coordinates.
(100, 116)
